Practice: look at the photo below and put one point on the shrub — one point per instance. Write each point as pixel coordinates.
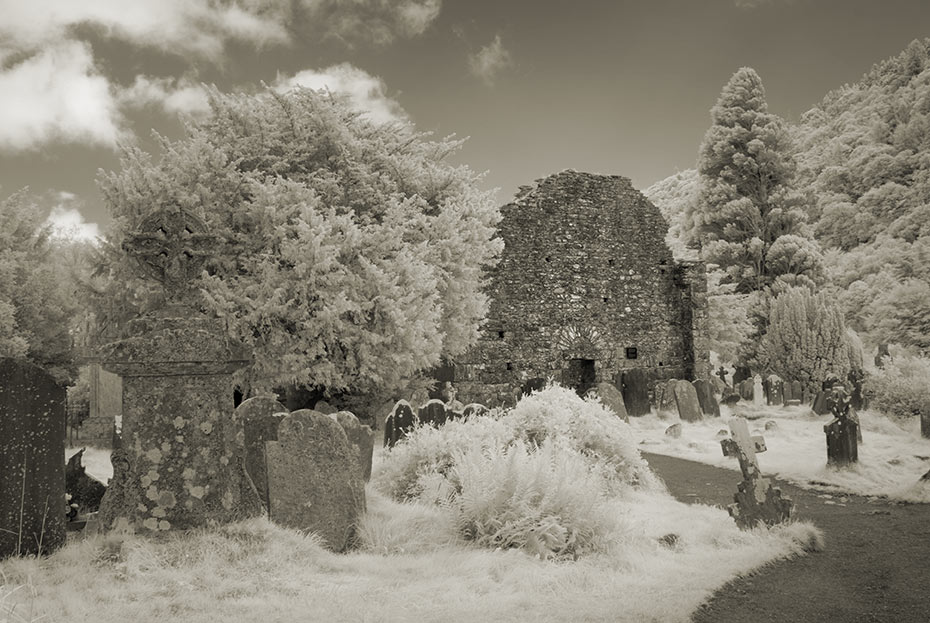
(901, 388)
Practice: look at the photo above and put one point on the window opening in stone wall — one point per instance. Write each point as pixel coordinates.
(631, 352)
(509, 365)
(661, 364)
(580, 375)
(606, 299)
(500, 335)
(548, 259)
(610, 262)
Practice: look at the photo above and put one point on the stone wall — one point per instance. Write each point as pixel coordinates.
(586, 288)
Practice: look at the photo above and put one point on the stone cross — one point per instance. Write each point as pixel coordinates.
(756, 499)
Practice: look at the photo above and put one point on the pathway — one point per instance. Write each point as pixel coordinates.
(876, 566)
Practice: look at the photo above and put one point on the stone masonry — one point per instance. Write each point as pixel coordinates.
(586, 288)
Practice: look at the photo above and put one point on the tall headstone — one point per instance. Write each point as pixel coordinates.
(612, 399)
(842, 431)
(664, 398)
(686, 399)
(399, 422)
(314, 480)
(32, 460)
(774, 391)
(184, 449)
(432, 413)
(361, 438)
(634, 385)
(758, 394)
(705, 395)
(746, 389)
(260, 417)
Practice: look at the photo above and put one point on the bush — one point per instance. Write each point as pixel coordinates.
(537, 477)
(901, 388)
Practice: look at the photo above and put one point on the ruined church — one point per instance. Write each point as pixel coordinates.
(586, 289)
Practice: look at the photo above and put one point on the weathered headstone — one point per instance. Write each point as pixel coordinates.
(399, 422)
(325, 408)
(634, 385)
(841, 432)
(674, 431)
(474, 409)
(612, 399)
(314, 480)
(664, 398)
(433, 413)
(745, 389)
(758, 394)
(184, 449)
(32, 460)
(360, 437)
(774, 391)
(260, 417)
(705, 394)
(686, 399)
(756, 499)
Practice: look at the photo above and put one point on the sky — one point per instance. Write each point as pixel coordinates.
(538, 86)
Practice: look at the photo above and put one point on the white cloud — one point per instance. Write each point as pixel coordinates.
(372, 21)
(67, 221)
(184, 26)
(171, 94)
(490, 61)
(366, 93)
(56, 95)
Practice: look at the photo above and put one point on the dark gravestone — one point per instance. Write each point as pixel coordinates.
(687, 401)
(433, 413)
(705, 394)
(86, 491)
(474, 409)
(634, 385)
(611, 398)
(664, 398)
(314, 481)
(32, 460)
(842, 432)
(532, 385)
(260, 416)
(361, 438)
(822, 403)
(746, 389)
(774, 391)
(399, 422)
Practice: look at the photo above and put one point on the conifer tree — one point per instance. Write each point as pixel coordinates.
(749, 219)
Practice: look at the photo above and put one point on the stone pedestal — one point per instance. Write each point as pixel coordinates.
(183, 447)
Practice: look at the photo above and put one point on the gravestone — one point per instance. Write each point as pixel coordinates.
(745, 389)
(774, 391)
(260, 417)
(474, 409)
(612, 399)
(730, 396)
(722, 375)
(634, 385)
(758, 394)
(32, 460)
(325, 408)
(664, 399)
(705, 394)
(399, 422)
(674, 431)
(361, 438)
(842, 432)
(756, 499)
(686, 399)
(314, 480)
(184, 449)
(433, 413)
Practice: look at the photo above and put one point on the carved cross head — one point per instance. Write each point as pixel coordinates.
(171, 246)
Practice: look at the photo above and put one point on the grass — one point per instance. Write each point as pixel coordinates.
(413, 566)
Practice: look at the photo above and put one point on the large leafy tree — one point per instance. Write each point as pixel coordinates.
(749, 218)
(37, 291)
(354, 252)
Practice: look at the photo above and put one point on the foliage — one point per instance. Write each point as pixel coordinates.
(747, 203)
(806, 339)
(37, 304)
(901, 387)
(535, 477)
(676, 197)
(354, 254)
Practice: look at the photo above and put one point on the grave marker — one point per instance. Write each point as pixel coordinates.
(842, 431)
(399, 422)
(260, 416)
(706, 398)
(612, 399)
(686, 399)
(634, 385)
(361, 438)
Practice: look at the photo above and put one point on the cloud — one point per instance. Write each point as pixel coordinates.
(490, 61)
(56, 95)
(372, 21)
(66, 220)
(366, 93)
(170, 94)
(198, 27)
(752, 4)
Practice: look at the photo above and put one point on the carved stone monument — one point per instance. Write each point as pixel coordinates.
(183, 459)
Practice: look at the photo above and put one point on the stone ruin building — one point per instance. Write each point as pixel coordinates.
(586, 290)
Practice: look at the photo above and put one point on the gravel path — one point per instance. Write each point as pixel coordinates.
(876, 566)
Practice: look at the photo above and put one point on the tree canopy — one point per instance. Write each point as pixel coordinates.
(354, 252)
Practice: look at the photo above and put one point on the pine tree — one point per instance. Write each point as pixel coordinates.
(747, 203)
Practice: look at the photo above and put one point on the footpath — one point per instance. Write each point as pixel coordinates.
(875, 568)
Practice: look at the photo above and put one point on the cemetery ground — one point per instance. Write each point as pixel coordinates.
(661, 560)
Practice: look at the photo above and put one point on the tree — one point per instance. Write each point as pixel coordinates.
(37, 303)
(747, 201)
(354, 254)
(806, 339)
